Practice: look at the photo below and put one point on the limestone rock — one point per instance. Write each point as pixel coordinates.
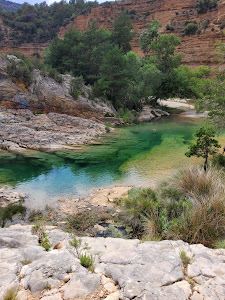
(126, 269)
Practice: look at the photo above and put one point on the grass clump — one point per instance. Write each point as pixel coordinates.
(87, 261)
(184, 258)
(7, 213)
(11, 295)
(220, 244)
(26, 262)
(190, 206)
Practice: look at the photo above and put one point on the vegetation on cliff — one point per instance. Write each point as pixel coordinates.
(40, 23)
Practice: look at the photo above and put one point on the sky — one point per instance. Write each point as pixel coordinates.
(49, 1)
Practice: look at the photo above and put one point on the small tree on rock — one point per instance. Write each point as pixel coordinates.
(205, 145)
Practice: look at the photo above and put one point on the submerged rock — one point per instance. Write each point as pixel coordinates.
(124, 269)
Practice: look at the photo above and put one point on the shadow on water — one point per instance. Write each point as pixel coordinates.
(48, 177)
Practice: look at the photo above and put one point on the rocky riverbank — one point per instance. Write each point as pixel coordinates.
(22, 129)
(123, 269)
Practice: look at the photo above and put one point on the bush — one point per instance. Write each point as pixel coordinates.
(190, 206)
(218, 161)
(21, 71)
(204, 221)
(75, 86)
(190, 28)
(87, 261)
(7, 213)
(137, 208)
(204, 5)
(39, 230)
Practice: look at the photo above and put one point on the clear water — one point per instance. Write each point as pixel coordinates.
(132, 155)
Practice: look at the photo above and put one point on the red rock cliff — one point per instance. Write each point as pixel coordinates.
(196, 49)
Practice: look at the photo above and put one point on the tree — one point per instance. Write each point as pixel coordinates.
(123, 33)
(164, 48)
(147, 37)
(205, 145)
(114, 79)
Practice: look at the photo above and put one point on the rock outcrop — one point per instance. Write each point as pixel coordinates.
(124, 269)
(21, 129)
(47, 95)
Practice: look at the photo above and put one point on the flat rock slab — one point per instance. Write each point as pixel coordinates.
(124, 269)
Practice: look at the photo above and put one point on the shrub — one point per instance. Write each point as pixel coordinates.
(87, 261)
(204, 5)
(39, 230)
(190, 28)
(140, 205)
(218, 161)
(222, 25)
(75, 86)
(45, 242)
(190, 206)
(107, 126)
(7, 213)
(205, 24)
(204, 221)
(185, 260)
(53, 73)
(21, 71)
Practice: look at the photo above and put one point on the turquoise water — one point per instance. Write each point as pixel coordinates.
(132, 155)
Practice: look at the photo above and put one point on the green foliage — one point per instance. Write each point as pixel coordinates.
(8, 6)
(78, 246)
(189, 206)
(220, 244)
(20, 70)
(87, 261)
(123, 33)
(39, 230)
(45, 242)
(218, 161)
(75, 86)
(205, 144)
(190, 28)
(114, 77)
(40, 23)
(7, 213)
(80, 53)
(108, 126)
(149, 35)
(185, 260)
(204, 5)
(139, 205)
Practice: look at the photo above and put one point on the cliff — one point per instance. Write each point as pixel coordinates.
(196, 49)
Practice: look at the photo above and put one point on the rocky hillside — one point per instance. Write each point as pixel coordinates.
(123, 269)
(196, 49)
(9, 5)
(46, 95)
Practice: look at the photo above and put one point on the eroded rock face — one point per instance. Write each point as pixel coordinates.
(21, 129)
(124, 269)
(47, 95)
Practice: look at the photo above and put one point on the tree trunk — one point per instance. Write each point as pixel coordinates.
(205, 164)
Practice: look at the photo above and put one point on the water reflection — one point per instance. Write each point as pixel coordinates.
(130, 155)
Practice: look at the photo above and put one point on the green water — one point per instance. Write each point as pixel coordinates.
(133, 155)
